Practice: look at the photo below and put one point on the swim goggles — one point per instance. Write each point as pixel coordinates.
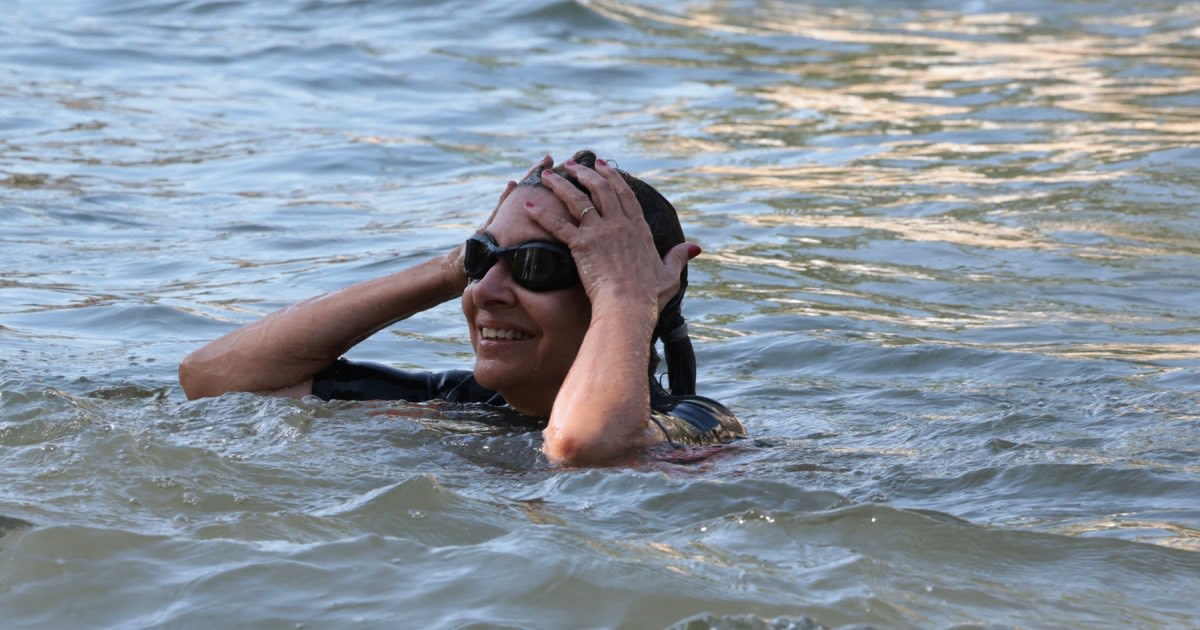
(534, 265)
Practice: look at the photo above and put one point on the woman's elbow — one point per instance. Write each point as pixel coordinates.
(565, 447)
(560, 450)
(194, 381)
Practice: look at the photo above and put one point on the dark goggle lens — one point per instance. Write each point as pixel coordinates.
(537, 266)
(542, 269)
(477, 258)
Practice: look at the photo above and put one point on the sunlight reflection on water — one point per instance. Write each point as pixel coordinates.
(948, 282)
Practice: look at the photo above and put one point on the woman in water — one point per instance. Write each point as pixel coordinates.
(566, 288)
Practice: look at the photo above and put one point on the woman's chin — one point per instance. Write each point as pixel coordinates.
(493, 375)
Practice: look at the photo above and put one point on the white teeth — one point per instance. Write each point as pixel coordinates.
(496, 333)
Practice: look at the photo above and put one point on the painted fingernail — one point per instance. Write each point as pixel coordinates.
(693, 251)
(528, 204)
(600, 162)
(569, 163)
(547, 172)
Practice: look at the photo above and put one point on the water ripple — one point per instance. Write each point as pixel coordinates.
(948, 283)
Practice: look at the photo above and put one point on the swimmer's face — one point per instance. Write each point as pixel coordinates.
(525, 341)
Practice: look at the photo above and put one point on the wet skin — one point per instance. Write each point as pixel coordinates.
(525, 341)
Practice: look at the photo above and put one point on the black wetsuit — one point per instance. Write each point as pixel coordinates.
(686, 420)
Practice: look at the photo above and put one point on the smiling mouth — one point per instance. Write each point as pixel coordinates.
(503, 334)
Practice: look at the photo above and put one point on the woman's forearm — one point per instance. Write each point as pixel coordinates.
(602, 411)
(281, 352)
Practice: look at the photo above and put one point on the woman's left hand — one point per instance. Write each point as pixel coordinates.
(611, 241)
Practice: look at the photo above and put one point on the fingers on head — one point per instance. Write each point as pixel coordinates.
(593, 181)
(678, 257)
(507, 191)
(620, 187)
(542, 164)
(601, 189)
(572, 197)
(561, 228)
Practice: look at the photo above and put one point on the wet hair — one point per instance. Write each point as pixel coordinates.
(664, 225)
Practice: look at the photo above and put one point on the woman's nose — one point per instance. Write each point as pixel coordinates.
(495, 287)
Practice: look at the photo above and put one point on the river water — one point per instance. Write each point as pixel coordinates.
(950, 282)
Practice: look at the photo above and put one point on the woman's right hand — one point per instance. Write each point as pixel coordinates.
(452, 261)
(542, 164)
(280, 353)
